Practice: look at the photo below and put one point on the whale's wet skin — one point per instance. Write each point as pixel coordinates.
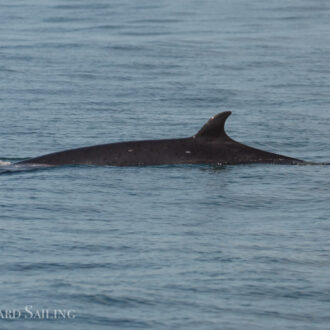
(211, 145)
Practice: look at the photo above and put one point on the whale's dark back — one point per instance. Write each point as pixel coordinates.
(211, 145)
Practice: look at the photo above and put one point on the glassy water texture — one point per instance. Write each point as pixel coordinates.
(164, 247)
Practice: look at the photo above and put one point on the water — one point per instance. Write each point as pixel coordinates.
(165, 247)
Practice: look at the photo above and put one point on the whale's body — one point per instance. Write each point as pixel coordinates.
(210, 145)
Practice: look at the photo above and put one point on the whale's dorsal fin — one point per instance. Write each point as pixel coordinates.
(215, 127)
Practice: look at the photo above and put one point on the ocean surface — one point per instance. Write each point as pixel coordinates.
(164, 247)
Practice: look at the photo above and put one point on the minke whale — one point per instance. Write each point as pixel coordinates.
(211, 145)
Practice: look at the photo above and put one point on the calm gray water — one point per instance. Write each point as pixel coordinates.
(165, 247)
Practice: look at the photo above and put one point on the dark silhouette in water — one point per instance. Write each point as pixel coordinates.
(210, 145)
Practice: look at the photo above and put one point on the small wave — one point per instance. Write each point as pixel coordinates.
(105, 299)
(8, 167)
(4, 163)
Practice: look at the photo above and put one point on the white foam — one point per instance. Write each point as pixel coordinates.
(3, 163)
